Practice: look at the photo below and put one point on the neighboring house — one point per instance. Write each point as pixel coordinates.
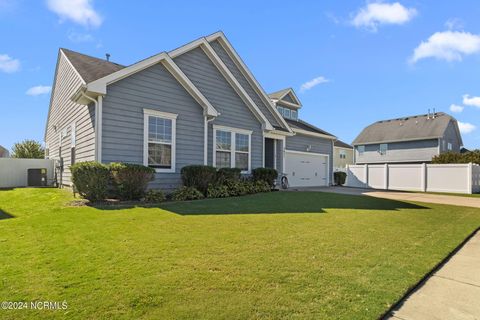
(412, 139)
(198, 104)
(342, 155)
(4, 152)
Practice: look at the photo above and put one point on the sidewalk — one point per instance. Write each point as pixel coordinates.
(453, 292)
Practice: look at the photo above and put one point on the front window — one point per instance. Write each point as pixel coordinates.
(342, 154)
(361, 150)
(286, 113)
(223, 149)
(383, 148)
(449, 146)
(232, 149)
(280, 110)
(160, 141)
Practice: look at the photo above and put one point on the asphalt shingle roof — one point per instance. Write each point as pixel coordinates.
(91, 68)
(303, 125)
(417, 127)
(341, 144)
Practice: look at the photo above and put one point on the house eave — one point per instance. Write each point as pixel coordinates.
(392, 141)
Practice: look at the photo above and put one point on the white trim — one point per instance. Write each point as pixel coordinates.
(100, 127)
(275, 154)
(315, 154)
(290, 91)
(247, 74)
(100, 86)
(233, 150)
(165, 115)
(232, 129)
(314, 134)
(156, 113)
(287, 104)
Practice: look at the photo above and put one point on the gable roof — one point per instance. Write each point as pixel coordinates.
(90, 68)
(281, 96)
(4, 152)
(419, 127)
(301, 126)
(341, 144)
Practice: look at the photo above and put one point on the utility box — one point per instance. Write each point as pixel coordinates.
(37, 177)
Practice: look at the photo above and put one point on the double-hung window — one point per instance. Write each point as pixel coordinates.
(361, 150)
(294, 115)
(383, 149)
(159, 140)
(232, 148)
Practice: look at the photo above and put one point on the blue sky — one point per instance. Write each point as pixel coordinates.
(371, 60)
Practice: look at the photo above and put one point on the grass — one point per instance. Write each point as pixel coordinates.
(283, 255)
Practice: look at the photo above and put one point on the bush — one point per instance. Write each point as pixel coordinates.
(91, 179)
(198, 177)
(154, 195)
(228, 174)
(217, 191)
(130, 181)
(186, 193)
(237, 188)
(339, 178)
(261, 186)
(455, 157)
(265, 174)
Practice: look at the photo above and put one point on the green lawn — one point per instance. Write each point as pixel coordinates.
(283, 255)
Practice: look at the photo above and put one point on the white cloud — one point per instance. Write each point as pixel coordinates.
(466, 127)
(471, 101)
(8, 64)
(78, 11)
(378, 13)
(456, 108)
(80, 37)
(38, 90)
(447, 45)
(312, 83)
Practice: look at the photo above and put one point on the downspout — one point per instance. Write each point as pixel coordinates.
(97, 124)
(205, 139)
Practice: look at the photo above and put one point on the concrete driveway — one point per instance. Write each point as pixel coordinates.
(398, 195)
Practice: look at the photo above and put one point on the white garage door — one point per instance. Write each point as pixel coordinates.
(306, 169)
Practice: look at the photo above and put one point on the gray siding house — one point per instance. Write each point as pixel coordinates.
(198, 104)
(414, 139)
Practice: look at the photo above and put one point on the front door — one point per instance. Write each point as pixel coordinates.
(269, 153)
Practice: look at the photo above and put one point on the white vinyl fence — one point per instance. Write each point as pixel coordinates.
(14, 172)
(455, 178)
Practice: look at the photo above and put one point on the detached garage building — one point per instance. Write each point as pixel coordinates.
(308, 160)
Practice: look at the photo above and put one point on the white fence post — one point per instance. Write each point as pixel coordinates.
(366, 175)
(386, 176)
(470, 177)
(424, 177)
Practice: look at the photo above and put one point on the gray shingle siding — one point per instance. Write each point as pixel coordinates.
(450, 136)
(63, 112)
(153, 88)
(408, 151)
(244, 83)
(300, 142)
(288, 98)
(233, 112)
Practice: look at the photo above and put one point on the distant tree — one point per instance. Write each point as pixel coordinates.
(28, 149)
(454, 157)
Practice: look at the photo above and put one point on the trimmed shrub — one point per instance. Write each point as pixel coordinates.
(237, 188)
(339, 178)
(130, 181)
(217, 191)
(228, 174)
(265, 174)
(455, 157)
(198, 177)
(154, 195)
(186, 193)
(261, 186)
(91, 179)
